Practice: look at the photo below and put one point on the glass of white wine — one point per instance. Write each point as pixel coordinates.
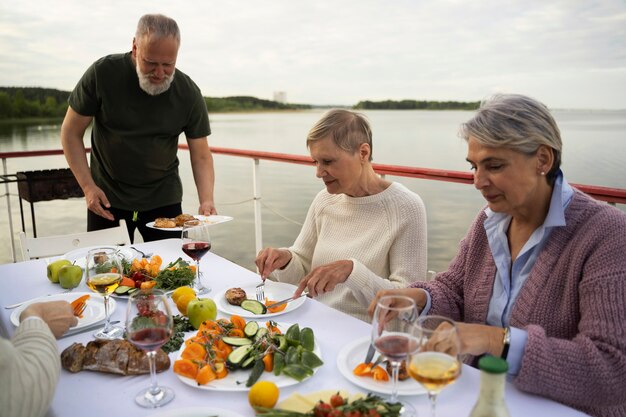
(436, 363)
(103, 274)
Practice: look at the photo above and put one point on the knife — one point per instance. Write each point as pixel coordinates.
(370, 353)
(286, 300)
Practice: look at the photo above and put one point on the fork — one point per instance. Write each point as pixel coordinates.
(260, 292)
(78, 311)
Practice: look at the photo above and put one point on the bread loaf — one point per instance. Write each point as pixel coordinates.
(111, 356)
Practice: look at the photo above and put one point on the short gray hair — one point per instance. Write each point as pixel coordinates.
(348, 130)
(517, 122)
(157, 25)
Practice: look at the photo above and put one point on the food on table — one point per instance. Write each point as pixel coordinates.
(371, 370)
(54, 267)
(182, 218)
(181, 326)
(223, 345)
(100, 258)
(78, 305)
(276, 309)
(235, 296)
(332, 403)
(182, 296)
(176, 274)
(147, 273)
(200, 310)
(70, 276)
(263, 394)
(111, 356)
(164, 223)
(403, 373)
(253, 306)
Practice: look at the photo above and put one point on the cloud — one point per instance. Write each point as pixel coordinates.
(342, 51)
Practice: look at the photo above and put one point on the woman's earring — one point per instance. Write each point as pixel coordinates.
(543, 173)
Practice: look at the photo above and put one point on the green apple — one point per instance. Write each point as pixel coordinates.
(54, 267)
(70, 276)
(201, 309)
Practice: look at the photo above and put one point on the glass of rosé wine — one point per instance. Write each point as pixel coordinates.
(149, 325)
(196, 242)
(392, 337)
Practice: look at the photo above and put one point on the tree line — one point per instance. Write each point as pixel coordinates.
(25, 102)
(416, 105)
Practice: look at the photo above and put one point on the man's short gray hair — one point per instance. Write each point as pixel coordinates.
(517, 122)
(157, 26)
(348, 130)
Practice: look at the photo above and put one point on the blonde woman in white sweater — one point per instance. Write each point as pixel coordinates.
(361, 234)
(30, 363)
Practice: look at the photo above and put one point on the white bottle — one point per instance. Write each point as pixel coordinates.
(490, 401)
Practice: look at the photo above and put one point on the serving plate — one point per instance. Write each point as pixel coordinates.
(93, 314)
(274, 291)
(210, 220)
(353, 354)
(233, 381)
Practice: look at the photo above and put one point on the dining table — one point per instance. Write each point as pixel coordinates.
(101, 394)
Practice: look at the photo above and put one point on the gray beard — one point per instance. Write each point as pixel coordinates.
(154, 89)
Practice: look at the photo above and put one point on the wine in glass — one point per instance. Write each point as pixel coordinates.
(196, 241)
(393, 338)
(436, 363)
(149, 325)
(103, 273)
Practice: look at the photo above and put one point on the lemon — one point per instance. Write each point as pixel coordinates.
(183, 302)
(263, 394)
(178, 292)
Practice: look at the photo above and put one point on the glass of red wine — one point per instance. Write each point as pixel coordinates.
(149, 325)
(196, 241)
(392, 337)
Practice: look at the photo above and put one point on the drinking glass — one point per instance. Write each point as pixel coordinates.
(393, 338)
(436, 363)
(196, 241)
(103, 271)
(149, 325)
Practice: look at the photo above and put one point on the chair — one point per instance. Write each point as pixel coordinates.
(43, 247)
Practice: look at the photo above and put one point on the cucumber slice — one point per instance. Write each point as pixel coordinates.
(260, 333)
(237, 341)
(248, 362)
(254, 306)
(237, 356)
(123, 289)
(251, 328)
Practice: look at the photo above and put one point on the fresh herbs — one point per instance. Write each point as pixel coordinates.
(175, 274)
(181, 325)
(372, 405)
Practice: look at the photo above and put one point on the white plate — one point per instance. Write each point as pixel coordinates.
(211, 220)
(93, 314)
(353, 354)
(229, 383)
(274, 291)
(79, 256)
(205, 411)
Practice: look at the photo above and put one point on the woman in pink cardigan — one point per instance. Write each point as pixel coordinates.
(540, 277)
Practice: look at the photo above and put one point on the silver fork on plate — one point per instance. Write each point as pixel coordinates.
(260, 292)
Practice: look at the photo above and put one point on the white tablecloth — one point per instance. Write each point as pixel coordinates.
(99, 394)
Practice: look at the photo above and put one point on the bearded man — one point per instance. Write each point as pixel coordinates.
(139, 104)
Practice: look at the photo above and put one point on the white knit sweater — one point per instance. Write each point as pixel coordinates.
(29, 370)
(383, 234)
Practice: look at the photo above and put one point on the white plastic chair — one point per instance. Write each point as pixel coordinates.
(43, 247)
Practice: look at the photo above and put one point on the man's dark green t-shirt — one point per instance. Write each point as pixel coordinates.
(134, 138)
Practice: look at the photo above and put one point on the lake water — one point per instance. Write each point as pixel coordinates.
(594, 153)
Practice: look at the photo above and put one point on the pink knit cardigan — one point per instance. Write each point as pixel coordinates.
(573, 306)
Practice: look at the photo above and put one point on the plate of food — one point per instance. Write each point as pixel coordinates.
(353, 354)
(229, 300)
(199, 411)
(230, 358)
(175, 224)
(93, 313)
(78, 256)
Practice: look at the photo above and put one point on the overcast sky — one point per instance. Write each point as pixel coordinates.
(568, 53)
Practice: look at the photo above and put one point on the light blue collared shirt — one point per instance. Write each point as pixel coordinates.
(511, 278)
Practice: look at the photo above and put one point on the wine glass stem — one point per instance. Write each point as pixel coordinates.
(154, 388)
(198, 283)
(107, 321)
(433, 402)
(395, 369)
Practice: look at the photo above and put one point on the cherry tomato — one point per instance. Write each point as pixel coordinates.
(336, 400)
(322, 409)
(335, 412)
(354, 413)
